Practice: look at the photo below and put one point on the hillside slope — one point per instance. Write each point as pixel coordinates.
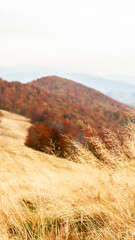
(55, 105)
(77, 92)
(115, 88)
(13, 132)
(45, 197)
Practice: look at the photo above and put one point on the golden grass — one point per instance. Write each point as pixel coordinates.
(47, 198)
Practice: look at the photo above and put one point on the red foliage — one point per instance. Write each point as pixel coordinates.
(55, 105)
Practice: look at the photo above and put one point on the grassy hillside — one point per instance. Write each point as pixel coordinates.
(45, 197)
(55, 105)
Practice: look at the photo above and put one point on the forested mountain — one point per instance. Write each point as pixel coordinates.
(119, 88)
(55, 106)
(78, 93)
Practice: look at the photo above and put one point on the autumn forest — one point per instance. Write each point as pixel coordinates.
(58, 109)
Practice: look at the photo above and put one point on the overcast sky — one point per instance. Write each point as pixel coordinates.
(88, 36)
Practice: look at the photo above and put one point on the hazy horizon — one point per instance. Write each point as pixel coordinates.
(90, 37)
(29, 73)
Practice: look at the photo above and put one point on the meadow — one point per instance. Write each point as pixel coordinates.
(46, 197)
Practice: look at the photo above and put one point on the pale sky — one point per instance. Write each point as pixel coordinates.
(88, 36)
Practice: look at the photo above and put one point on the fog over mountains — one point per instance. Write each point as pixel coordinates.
(116, 89)
(103, 85)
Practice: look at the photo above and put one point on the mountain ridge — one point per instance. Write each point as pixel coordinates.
(116, 87)
(118, 90)
(44, 83)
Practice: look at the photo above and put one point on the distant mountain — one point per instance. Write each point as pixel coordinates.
(55, 105)
(101, 84)
(114, 87)
(78, 92)
(125, 97)
(117, 90)
(21, 74)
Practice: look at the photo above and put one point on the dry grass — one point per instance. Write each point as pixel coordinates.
(45, 197)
